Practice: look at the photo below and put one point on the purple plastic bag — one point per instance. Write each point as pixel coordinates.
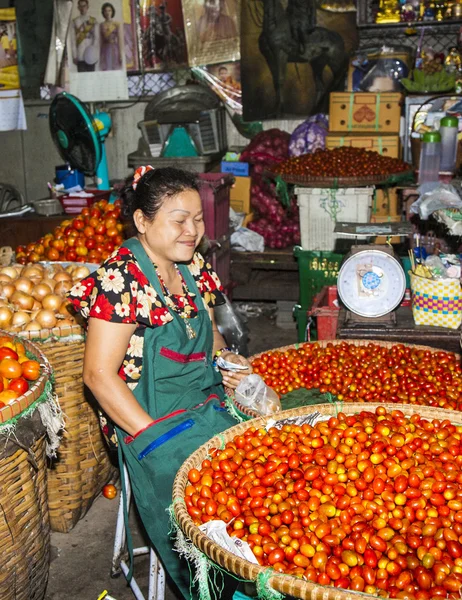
(309, 136)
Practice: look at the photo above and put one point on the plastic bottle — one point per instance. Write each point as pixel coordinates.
(430, 156)
(448, 130)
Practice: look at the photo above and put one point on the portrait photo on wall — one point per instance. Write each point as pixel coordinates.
(12, 115)
(96, 50)
(163, 42)
(212, 31)
(293, 54)
(225, 81)
(130, 35)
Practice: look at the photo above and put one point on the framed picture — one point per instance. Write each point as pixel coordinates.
(162, 43)
(129, 8)
(212, 31)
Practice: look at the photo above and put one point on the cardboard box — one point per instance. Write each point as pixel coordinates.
(239, 195)
(358, 112)
(388, 145)
(385, 202)
(248, 219)
(382, 239)
(240, 169)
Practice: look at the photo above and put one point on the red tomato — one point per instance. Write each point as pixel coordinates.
(19, 385)
(6, 352)
(10, 368)
(78, 224)
(109, 491)
(30, 370)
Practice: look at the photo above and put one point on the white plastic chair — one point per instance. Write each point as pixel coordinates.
(156, 588)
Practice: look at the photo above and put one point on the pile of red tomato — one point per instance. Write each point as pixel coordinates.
(370, 373)
(90, 237)
(17, 371)
(370, 502)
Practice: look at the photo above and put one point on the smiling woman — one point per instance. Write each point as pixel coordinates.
(151, 345)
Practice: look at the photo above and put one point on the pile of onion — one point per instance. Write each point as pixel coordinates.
(33, 297)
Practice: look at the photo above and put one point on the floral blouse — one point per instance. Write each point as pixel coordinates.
(119, 292)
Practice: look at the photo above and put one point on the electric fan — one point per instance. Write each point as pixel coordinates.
(79, 136)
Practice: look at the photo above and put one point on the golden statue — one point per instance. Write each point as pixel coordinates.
(388, 12)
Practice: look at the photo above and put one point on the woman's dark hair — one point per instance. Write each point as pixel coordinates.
(105, 5)
(153, 188)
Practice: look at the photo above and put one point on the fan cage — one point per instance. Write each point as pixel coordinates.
(208, 133)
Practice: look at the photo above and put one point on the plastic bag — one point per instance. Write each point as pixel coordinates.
(435, 197)
(309, 136)
(244, 239)
(231, 326)
(253, 392)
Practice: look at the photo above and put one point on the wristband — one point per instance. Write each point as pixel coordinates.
(217, 354)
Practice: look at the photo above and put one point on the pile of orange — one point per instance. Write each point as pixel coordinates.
(17, 370)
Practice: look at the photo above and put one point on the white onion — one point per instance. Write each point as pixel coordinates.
(7, 290)
(62, 287)
(32, 271)
(49, 282)
(68, 322)
(62, 276)
(5, 278)
(6, 316)
(46, 318)
(80, 273)
(22, 300)
(10, 271)
(33, 326)
(64, 309)
(24, 284)
(40, 291)
(20, 319)
(52, 302)
(37, 305)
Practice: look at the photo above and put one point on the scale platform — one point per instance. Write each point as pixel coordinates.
(365, 230)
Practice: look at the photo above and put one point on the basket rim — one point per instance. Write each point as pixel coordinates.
(323, 343)
(286, 584)
(336, 182)
(23, 402)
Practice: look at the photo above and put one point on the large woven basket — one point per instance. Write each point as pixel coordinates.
(83, 465)
(286, 584)
(248, 412)
(24, 517)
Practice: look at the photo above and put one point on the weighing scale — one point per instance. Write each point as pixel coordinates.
(371, 281)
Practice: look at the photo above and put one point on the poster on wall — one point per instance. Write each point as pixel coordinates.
(96, 51)
(130, 36)
(12, 114)
(163, 42)
(293, 55)
(225, 81)
(212, 31)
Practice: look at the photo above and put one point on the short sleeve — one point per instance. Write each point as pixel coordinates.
(207, 281)
(119, 292)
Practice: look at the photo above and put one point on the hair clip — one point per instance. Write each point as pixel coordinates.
(140, 171)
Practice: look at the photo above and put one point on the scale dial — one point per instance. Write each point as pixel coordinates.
(371, 283)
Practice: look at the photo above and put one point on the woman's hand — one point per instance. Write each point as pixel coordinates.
(231, 379)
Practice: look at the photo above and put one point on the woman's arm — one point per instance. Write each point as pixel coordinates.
(105, 350)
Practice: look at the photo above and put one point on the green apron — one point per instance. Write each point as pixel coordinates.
(180, 389)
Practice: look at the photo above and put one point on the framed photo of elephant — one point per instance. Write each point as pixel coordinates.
(293, 54)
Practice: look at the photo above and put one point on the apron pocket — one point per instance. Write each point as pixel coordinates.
(182, 358)
(165, 437)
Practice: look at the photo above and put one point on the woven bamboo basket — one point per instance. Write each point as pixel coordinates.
(287, 584)
(248, 412)
(83, 465)
(24, 516)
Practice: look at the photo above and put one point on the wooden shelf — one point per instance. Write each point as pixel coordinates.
(416, 24)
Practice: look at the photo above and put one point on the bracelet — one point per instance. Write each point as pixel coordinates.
(217, 354)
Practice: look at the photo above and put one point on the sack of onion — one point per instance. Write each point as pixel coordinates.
(33, 299)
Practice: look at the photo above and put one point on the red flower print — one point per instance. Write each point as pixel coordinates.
(76, 304)
(102, 308)
(138, 275)
(156, 315)
(122, 374)
(89, 284)
(105, 429)
(123, 251)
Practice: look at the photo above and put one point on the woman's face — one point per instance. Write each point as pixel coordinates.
(107, 13)
(177, 228)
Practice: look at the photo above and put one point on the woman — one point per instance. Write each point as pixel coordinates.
(110, 40)
(151, 343)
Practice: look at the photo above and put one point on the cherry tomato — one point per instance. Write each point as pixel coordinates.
(109, 491)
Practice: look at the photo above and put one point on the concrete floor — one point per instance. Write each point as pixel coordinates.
(81, 559)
